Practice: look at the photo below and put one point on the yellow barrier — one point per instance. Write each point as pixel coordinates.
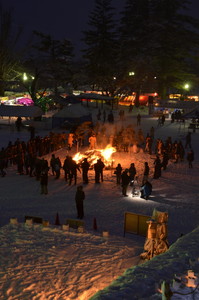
(136, 224)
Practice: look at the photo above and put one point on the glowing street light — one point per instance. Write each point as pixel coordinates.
(131, 73)
(25, 77)
(186, 86)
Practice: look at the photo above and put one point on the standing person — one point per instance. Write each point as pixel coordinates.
(2, 166)
(99, 115)
(101, 168)
(18, 123)
(138, 119)
(118, 172)
(73, 166)
(57, 167)
(52, 163)
(190, 158)
(188, 140)
(132, 172)
(152, 133)
(163, 119)
(85, 167)
(70, 140)
(44, 182)
(79, 199)
(165, 159)
(125, 182)
(92, 142)
(146, 172)
(158, 166)
(66, 168)
(98, 168)
(111, 117)
(32, 132)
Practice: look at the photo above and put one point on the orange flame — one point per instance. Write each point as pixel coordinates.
(93, 155)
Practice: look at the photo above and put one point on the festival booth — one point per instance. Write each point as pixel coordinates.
(193, 116)
(97, 98)
(75, 114)
(20, 111)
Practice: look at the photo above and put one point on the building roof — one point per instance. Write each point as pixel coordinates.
(20, 111)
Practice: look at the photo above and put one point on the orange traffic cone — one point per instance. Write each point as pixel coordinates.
(94, 224)
(57, 220)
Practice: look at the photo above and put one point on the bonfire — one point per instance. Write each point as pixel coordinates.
(93, 155)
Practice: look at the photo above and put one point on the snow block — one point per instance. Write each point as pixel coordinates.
(65, 227)
(13, 221)
(75, 223)
(46, 223)
(105, 234)
(29, 222)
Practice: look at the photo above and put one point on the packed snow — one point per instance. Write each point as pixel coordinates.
(48, 262)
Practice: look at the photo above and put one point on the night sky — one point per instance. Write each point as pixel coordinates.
(61, 18)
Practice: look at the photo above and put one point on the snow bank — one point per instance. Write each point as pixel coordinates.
(141, 282)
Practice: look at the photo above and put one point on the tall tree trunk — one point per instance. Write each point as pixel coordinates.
(2, 88)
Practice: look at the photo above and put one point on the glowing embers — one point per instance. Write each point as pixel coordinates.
(93, 155)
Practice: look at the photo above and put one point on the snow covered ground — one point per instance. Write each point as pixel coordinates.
(49, 263)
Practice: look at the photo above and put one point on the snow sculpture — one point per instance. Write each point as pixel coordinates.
(156, 241)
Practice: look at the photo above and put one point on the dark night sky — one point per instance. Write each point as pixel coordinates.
(61, 18)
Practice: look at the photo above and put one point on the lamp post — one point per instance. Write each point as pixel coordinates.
(186, 88)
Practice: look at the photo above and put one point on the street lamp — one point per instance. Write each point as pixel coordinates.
(186, 86)
(25, 77)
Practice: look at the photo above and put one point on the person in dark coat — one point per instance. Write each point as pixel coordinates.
(165, 160)
(146, 172)
(85, 167)
(66, 167)
(79, 199)
(32, 132)
(18, 123)
(188, 140)
(125, 182)
(132, 172)
(52, 163)
(158, 166)
(2, 166)
(190, 158)
(111, 117)
(57, 167)
(146, 190)
(138, 120)
(73, 171)
(118, 173)
(44, 182)
(98, 168)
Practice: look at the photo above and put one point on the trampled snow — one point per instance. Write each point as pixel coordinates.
(40, 262)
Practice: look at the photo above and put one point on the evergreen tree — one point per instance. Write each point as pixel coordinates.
(175, 38)
(134, 45)
(57, 56)
(9, 53)
(101, 50)
(157, 40)
(48, 65)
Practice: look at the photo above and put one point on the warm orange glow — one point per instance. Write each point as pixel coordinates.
(93, 155)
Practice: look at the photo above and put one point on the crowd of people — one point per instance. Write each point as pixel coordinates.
(29, 157)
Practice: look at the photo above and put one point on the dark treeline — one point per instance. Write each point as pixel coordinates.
(157, 41)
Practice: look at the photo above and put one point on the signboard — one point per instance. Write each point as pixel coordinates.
(135, 223)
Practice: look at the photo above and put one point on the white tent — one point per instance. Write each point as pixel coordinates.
(74, 113)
